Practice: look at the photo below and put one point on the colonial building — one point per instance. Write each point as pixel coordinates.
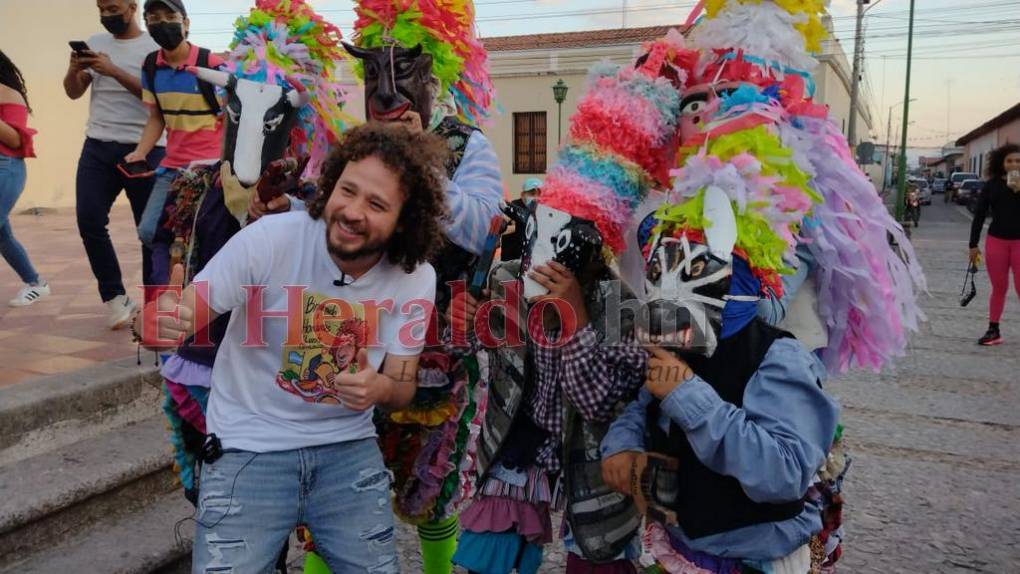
(979, 142)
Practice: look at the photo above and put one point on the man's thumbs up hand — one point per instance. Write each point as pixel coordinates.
(364, 389)
(161, 329)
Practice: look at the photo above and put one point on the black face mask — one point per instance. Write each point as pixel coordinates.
(115, 24)
(168, 35)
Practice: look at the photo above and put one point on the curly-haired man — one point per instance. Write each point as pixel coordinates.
(295, 283)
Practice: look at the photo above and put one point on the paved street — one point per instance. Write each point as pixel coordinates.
(936, 441)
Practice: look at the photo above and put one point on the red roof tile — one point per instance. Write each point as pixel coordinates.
(584, 39)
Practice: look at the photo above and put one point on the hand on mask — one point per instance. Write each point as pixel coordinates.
(665, 372)
(563, 285)
(412, 121)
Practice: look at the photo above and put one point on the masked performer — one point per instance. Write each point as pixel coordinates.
(424, 66)
(283, 112)
(858, 303)
(749, 99)
(551, 399)
(726, 438)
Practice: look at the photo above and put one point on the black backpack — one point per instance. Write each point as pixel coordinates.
(208, 90)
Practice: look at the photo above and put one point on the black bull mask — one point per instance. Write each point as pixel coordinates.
(397, 79)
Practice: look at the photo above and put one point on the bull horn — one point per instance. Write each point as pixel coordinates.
(299, 96)
(214, 77)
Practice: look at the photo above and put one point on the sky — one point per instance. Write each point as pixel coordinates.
(965, 71)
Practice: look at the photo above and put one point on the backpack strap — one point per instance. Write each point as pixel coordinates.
(207, 89)
(149, 73)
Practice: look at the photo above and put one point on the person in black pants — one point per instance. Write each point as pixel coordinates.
(1000, 197)
(111, 67)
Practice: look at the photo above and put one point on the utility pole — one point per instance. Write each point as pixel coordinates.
(901, 191)
(855, 82)
(886, 168)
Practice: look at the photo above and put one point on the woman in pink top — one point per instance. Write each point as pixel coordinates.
(15, 146)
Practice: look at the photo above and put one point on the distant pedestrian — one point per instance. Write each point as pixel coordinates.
(15, 146)
(513, 239)
(1000, 195)
(112, 68)
(186, 107)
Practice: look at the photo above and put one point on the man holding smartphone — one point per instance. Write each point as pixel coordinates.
(111, 64)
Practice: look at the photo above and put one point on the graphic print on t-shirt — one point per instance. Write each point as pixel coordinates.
(332, 331)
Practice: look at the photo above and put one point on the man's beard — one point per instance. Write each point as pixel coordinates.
(368, 249)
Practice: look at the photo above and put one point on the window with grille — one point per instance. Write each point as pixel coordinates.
(529, 142)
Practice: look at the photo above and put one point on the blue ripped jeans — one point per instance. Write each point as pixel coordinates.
(249, 503)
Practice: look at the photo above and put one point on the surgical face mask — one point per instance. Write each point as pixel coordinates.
(168, 35)
(115, 24)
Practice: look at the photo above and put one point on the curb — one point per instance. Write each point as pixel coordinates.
(85, 395)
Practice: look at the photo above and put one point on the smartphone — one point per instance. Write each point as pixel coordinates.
(1013, 179)
(79, 47)
(136, 169)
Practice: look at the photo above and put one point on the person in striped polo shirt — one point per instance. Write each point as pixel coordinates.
(178, 102)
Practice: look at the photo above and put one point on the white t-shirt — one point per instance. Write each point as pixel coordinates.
(115, 114)
(275, 397)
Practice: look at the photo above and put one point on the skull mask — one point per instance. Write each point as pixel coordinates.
(258, 123)
(397, 79)
(554, 235)
(688, 282)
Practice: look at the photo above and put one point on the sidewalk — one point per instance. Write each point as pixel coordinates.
(67, 330)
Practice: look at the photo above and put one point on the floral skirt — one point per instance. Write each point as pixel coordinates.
(430, 446)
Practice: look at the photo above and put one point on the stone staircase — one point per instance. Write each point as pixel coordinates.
(86, 484)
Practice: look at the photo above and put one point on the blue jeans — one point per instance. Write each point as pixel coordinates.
(12, 183)
(154, 207)
(249, 503)
(97, 185)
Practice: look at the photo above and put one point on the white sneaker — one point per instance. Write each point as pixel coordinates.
(121, 308)
(30, 294)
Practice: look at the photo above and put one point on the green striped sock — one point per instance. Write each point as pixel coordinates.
(438, 543)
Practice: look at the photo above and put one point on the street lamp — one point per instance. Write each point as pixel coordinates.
(886, 168)
(560, 95)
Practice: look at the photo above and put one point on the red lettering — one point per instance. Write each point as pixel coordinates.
(373, 320)
(511, 306)
(568, 322)
(256, 313)
(406, 335)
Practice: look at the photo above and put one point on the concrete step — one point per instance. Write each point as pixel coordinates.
(51, 412)
(52, 496)
(144, 541)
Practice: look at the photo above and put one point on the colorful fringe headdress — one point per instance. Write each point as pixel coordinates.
(778, 32)
(622, 141)
(867, 292)
(286, 40)
(446, 31)
(769, 194)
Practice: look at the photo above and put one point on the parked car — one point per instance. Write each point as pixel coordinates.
(959, 177)
(968, 192)
(938, 185)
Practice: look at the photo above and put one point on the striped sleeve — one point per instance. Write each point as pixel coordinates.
(148, 95)
(474, 195)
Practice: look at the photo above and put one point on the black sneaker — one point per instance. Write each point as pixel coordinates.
(990, 338)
